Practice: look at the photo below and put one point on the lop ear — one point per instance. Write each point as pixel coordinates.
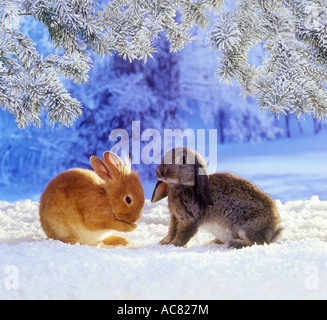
(159, 192)
(203, 183)
(102, 168)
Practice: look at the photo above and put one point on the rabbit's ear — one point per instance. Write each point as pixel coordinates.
(102, 168)
(203, 188)
(159, 192)
(113, 160)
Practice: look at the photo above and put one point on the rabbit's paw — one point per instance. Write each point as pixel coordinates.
(238, 244)
(115, 241)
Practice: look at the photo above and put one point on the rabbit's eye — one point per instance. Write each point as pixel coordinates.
(128, 199)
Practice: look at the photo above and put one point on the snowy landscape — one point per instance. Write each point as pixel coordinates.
(284, 156)
(295, 267)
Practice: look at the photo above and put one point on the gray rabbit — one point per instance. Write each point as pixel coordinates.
(233, 209)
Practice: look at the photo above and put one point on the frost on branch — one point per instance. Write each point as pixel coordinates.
(293, 75)
(30, 83)
(293, 33)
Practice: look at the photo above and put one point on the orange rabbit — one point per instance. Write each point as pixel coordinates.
(83, 206)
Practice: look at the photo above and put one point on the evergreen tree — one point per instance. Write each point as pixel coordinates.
(293, 32)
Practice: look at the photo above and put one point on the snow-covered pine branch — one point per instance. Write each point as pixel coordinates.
(28, 82)
(293, 33)
(293, 75)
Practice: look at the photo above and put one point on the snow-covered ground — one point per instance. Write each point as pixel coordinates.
(292, 171)
(32, 267)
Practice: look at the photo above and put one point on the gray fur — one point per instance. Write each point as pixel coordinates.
(237, 212)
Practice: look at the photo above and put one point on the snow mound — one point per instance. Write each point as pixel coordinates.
(295, 267)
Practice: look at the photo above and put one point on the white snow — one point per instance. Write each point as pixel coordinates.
(295, 267)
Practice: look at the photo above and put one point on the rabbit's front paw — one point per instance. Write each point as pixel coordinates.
(238, 244)
(165, 241)
(123, 226)
(115, 241)
(128, 227)
(132, 226)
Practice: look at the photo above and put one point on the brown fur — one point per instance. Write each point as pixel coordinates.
(79, 206)
(232, 208)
